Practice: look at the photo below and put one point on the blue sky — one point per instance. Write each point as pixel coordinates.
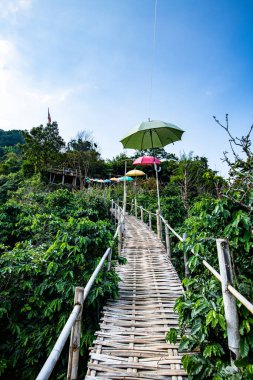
(90, 62)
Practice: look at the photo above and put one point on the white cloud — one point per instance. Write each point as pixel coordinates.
(24, 101)
(9, 8)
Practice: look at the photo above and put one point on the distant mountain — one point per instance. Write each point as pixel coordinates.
(10, 138)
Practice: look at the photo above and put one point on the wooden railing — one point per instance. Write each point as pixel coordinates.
(65, 171)
(229, 293)
(73, 323)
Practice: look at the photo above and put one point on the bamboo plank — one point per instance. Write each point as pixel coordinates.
(131, 341)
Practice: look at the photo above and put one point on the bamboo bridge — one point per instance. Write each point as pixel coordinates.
(131, 343)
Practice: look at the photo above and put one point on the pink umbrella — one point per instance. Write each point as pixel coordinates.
(150, 160)
(146, 160)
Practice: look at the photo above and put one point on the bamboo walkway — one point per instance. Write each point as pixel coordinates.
(131, 341)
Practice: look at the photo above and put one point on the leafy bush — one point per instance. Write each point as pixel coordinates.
(50, 243)
(201, 306)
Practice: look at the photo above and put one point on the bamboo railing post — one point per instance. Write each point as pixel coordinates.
(132, 206)
(158, 224)
(229, 300)
(120, 240)
(109, 260)
(150, 220)
(115, 214)
(186, 268)
(74, 346)
(167, 238)
(135, 208)
(63, 176)
(141, 213)
(123, 224)
(112, 210)
(161, 228)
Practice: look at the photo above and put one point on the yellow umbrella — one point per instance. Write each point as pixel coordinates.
(135, 173)
(114, 179)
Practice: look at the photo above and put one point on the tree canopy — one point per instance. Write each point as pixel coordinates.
(43, 145)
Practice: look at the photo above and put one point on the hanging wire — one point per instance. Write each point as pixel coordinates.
(152, 62)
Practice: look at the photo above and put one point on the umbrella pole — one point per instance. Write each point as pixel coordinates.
(156, 175)
(157, 188)
(124, 201)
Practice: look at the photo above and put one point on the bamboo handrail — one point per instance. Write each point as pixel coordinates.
(171, 229)
(52, 359)
(58, 347)
(232, 290)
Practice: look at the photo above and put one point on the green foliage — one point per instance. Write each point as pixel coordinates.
(82, 152)
(10, 138)
(11, 164)
(201, 307)
(42, 146)
(49, 243)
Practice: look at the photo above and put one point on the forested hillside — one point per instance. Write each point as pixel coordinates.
(9, 139)
(52, 236)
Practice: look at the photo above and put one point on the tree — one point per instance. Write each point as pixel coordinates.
(11, 163)
(240, 183)
(116, 166)
(10, 138)
(43, 145)
(193, 177)
(82, 153)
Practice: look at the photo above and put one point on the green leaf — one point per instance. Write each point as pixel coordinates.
(249, 369)
(172, 335)
(193, 262)
(222, 321)
(214, 349)
(244, 347)
(184, 344)
(50, 266)
(212, 317)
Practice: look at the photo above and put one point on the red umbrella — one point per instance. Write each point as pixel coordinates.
(146, 160)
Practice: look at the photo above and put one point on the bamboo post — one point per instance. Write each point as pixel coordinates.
(229, 300)
(135, 208)
(109, 260)
(150, 219)
(120, 240)
(122, 216)
(158, 226)
(63, 177)
(74, 346)
(167, 239)
(119, 212)
(141, 213)
(132, 206)
(115, 214)
(186, 268)
(161, 227)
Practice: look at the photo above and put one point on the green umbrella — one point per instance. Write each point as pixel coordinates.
(152, 134)
(125, 178)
